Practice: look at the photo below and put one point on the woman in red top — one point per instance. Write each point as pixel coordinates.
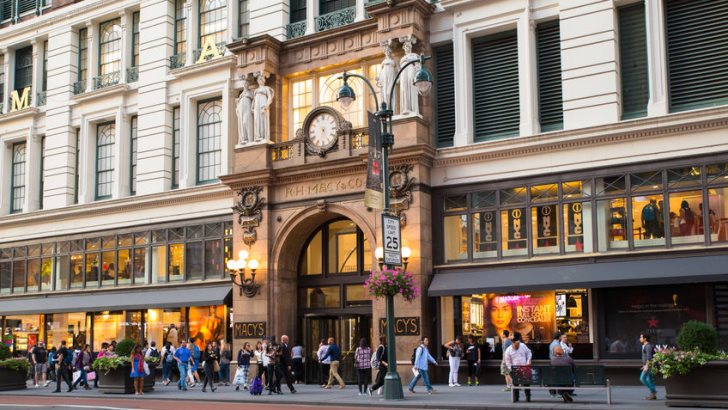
(137, 370)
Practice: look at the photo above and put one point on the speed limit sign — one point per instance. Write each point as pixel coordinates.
(392, 235)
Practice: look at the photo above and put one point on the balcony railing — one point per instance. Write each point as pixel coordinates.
(296, 29)
(220, 46)
(132, 74)
(107, 80)
(40, 99)
(177, 61)
(2, 106)
(79, 87)
(335, 19)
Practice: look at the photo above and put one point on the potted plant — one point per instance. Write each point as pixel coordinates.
(695, 372)
(13, 372)
(113, 372)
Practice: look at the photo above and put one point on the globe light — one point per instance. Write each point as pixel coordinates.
(423, 81)
(345, 96)
(241, 264)
(243, 254)
(379, 252)
(253, 264)
(406, 252)
(231, 264)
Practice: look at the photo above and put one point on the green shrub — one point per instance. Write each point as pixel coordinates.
(124, 347)
(698, 335)
(107, 364)
(4, 352)
(21, 365)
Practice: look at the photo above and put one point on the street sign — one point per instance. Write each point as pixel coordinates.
(392, 235)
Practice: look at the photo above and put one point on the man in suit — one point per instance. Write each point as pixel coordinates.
(286, 362)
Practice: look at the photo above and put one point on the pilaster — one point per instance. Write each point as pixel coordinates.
(9, 77)
(192, 21)
(122, 149)
(93, 55)
(528, 74)
(32, 171)
(36, 75)
(658, 103)
(312, 11)
(125, 44)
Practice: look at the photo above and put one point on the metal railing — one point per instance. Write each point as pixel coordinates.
(282, 151)
(197, 52)
(107, 80)
(177, 61)
(296, 29)
(335, 19)
(79, 87)
(132, 74)
(40, 99)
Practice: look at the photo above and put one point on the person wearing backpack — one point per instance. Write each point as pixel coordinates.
(167, 363)
(650, 220)
(379, 362)
(40, 362)
(64, 368)
(422, 358)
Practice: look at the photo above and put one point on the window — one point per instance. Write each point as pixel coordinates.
(213, 21)
(633, 60)
(44, 80)
(180, 27)
(133, 156)
(328, 88)
(42, 170)
(697, 34)
(298, 10)
(2, 81)
(551, 113)
(82, 54)
(135, 39)
(110, 48)
(105, 138)
(244, 19)
(302, 101)
(330, 6)
(76, 165)
(336, 248)
(209, 140)
(175, 147)
(17, 188)
(445, 94)
(496, 110)
(23, 68)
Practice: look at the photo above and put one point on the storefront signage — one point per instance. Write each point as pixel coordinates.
(19, 101)
(333, 187)
(403, 326)
(248, 330)
(392, 236)
(209, 51)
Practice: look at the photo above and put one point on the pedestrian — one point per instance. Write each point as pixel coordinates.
(324, 364)
(216, 369)
(518, 354)
(274, 359)
(555, 342)
(454, 353)
(259, 355)
(244, 355)
(145, 348)
(82, 363)
(226, 356)
(183, 356)
(210, 358)
(40, 362)
(52, 363)
(363, 362)
(422, 360)
(102, 353)
(168, 363)
(286, 363)
(379, 362)
(646, 377)
(297, 356)
(565, 345)
(334, 354)
(196, 355)
(561, 359)
(152, 351)
(504, 370)
(137, 370)
(266, 360)
(64, 367)
(472, 355)
(111, 350)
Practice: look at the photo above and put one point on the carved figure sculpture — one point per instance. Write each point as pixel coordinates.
(262, 100)
(408, 93)
(385, 79)
(244, 110)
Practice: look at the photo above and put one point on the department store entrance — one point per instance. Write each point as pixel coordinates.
(332, 301)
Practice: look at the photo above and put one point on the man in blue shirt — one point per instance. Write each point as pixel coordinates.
(422, 359)
(334, 354)
(183, 357)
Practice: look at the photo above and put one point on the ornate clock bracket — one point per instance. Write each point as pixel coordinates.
(400, 190)
(249, 208)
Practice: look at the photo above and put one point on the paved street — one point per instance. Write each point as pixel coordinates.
(169, 398)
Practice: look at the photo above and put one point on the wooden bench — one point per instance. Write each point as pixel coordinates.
(586, 377)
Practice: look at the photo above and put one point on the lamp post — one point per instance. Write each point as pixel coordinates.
(346, 96)
(247, 286)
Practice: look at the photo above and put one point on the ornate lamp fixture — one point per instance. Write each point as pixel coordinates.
(247, 286)
(406, 253)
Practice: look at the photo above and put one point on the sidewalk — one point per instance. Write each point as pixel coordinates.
(481, 397)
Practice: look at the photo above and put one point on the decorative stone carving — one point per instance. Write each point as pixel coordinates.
(321, 130)
(385, 79)
(262, 99)
(321, 205)
(249, 209)
(408, 93)
(244, 110)
(400, 190)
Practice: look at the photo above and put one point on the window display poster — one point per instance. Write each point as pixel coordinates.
(561, 305)
(207, 324)
(530, 314)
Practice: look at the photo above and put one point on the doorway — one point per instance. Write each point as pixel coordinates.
(347, 330)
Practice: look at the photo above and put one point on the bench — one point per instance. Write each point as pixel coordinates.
(586, 377)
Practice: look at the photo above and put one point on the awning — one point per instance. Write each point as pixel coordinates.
(592, 273)
(129, 299)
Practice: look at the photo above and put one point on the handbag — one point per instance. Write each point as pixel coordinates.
(215, 366)
(239, 380)
(146, 369)
(76, 376)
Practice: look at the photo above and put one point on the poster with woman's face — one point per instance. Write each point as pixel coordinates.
(207, 324)
(530, 314)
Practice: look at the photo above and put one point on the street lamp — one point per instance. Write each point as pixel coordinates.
(247, 286)
(346, 96)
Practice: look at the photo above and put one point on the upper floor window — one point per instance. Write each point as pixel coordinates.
(445, 94)
(82, 54)
(213, 21)
(133, 156)
(23, 68)
(209, 140)
(175, 146)
(135, 39)
(330, 6)
(633, 60)
(105, 139)
(44, 79)
(109, 52)
(298, 10)
(244, 19)
(180, 27)
(17, 178)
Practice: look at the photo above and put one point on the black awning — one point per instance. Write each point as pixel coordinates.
(592, 273)
(128, 299)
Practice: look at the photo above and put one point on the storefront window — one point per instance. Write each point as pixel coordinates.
(356, 295)
(311, 263)
(685, 225)
(92, 270)
(718, 214)
(124, 267)
(21, 333)
(213, 258)
(176, 262)
(578, 222)
(194, 260)
(165, 325)
(19, 276)
(660, 312)
(456, 237)
(33, 275)
(342, 247)
(612, 224)
(207, 324)
(140, 264)
(76, 271)
(514, 232)
(159, 264)
(485, 235)
(108, 327)
(648, 220)
(46, 274)
(6, 275)
(108, 268)
(62, 272)
(545, 228)
(71, 327)
(322, 297)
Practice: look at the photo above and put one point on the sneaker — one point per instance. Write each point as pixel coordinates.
(430, 392)
(369, 390)
(360, 394)
(451, 385)
(507, 389)
(411, 390)
(35, 385)
(46, 384)
(457, 385)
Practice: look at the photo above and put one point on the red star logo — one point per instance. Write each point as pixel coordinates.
(653, 323)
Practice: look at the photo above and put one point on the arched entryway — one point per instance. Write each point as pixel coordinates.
(332, 267)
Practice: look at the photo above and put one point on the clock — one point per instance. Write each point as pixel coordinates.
(321, 130)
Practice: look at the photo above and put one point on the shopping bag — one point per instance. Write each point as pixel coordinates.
(146, 369)
(91, 376)
(189, 374)
(239, 380)
(76, 376)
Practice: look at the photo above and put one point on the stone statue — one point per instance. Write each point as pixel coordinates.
(408, 93)
(385, 79)
(262, 100)
(244, 109)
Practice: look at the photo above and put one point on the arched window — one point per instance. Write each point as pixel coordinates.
(213, 21)
(209, 140)
(18, 178)
(105, 139)
(110, 47)
(337, 248)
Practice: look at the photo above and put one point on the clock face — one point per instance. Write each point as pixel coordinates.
(322, 130)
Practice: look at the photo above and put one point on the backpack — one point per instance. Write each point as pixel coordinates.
(154, 353)
(414, 355)
(375, 358)
(168, 356)
(256, 388)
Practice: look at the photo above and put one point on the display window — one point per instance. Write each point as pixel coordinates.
(21, 333)
(717, 218)
(648, 219)
(685, 224)
(166, 325)
(71, 327)
(207, 324)
(108, 327)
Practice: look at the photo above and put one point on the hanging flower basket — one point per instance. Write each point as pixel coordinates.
(392, 282)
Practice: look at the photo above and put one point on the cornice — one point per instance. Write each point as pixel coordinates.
(699, 120)
(25, 112)
(207, 65)
(102, 92)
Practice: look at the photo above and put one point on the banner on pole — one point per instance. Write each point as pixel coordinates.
(374, 194)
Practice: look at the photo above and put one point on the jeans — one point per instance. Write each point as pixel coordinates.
(182, 383)
(224, 373)
(83, 379)
(648, 380)
(165, 371)
(425, 379)
(379, 381)
(454, 368)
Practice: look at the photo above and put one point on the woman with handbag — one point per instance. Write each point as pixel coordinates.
(210, 362)
(137, 370)
(455, 353)
(82, 363)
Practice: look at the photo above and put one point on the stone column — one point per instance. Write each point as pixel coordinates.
(122, 150)
(6, 155)
(7, 87)
(93, 55)
(464, 88)
(191, 8)
(229, 136)
(528, 74)
(312, 11)
(233, 19)
(188, 127)
(87, 162)
(36, 74)
(658, 103)
(125, 44)
(32, 171)
(361, 12)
